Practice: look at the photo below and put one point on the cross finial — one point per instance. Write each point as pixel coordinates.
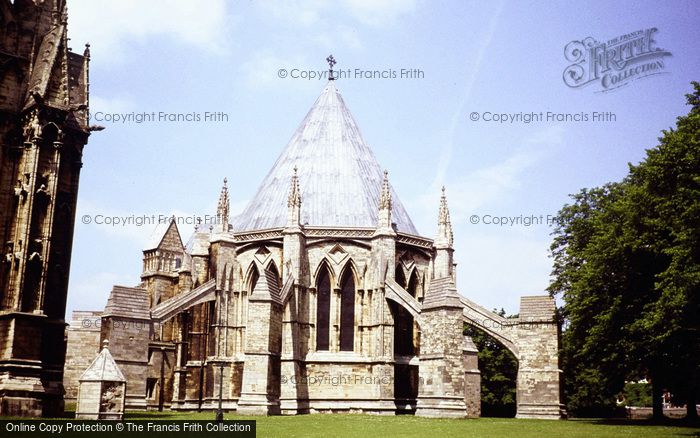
(331, 63)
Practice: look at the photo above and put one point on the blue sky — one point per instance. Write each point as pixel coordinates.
(499, 57)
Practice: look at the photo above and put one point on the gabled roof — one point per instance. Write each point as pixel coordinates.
(339, 177)
(165, 234)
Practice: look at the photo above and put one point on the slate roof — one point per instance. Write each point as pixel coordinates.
(339, 177)
(131, 302)
(180, 302)
(159, 233)
(156, 236)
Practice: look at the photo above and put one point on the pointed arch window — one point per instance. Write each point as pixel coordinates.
(253, 277)
(412, 286)
(323, 308)
(347, 311)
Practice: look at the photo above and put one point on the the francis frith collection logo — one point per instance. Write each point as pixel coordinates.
(614, 63)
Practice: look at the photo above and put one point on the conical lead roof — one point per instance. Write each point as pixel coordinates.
(339, 178)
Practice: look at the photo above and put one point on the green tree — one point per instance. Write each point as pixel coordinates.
(637, 394)
(499, 370)
(627, 265)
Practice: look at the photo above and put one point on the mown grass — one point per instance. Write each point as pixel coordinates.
(356, 425)
(366, 426)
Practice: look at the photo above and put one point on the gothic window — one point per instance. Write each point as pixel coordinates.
(347, 311)
(412, 286)
(323, 308)
(253, 276)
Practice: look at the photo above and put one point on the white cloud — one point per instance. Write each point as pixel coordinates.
(498, 266)
(308, 13)
(495, 264)
(473, 67)
(379, 12)
(489, 185)
(107, 25)
(471, 192)
(303, 13)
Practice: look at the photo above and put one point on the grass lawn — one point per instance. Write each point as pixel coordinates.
(356, 425)
(366, 426)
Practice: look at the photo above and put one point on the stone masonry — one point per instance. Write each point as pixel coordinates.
(83, 343)
(320, 297)
(43, 129)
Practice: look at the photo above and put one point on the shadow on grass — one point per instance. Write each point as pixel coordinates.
(170, 415)
(672, 422)
(154, 415)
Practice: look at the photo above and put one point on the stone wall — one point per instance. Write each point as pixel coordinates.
(83, 336)
(441, 369)
(343, 382)
(128, 343)
(538, 362)
(90, 396)
(161, 357)
(472, 379)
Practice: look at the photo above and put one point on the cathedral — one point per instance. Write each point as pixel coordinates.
(321, 296)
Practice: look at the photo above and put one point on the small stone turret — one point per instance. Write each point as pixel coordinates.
(102, 392)
(222, 210)
(444, 262)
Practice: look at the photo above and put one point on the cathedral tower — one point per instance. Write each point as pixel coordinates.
(43, 129)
